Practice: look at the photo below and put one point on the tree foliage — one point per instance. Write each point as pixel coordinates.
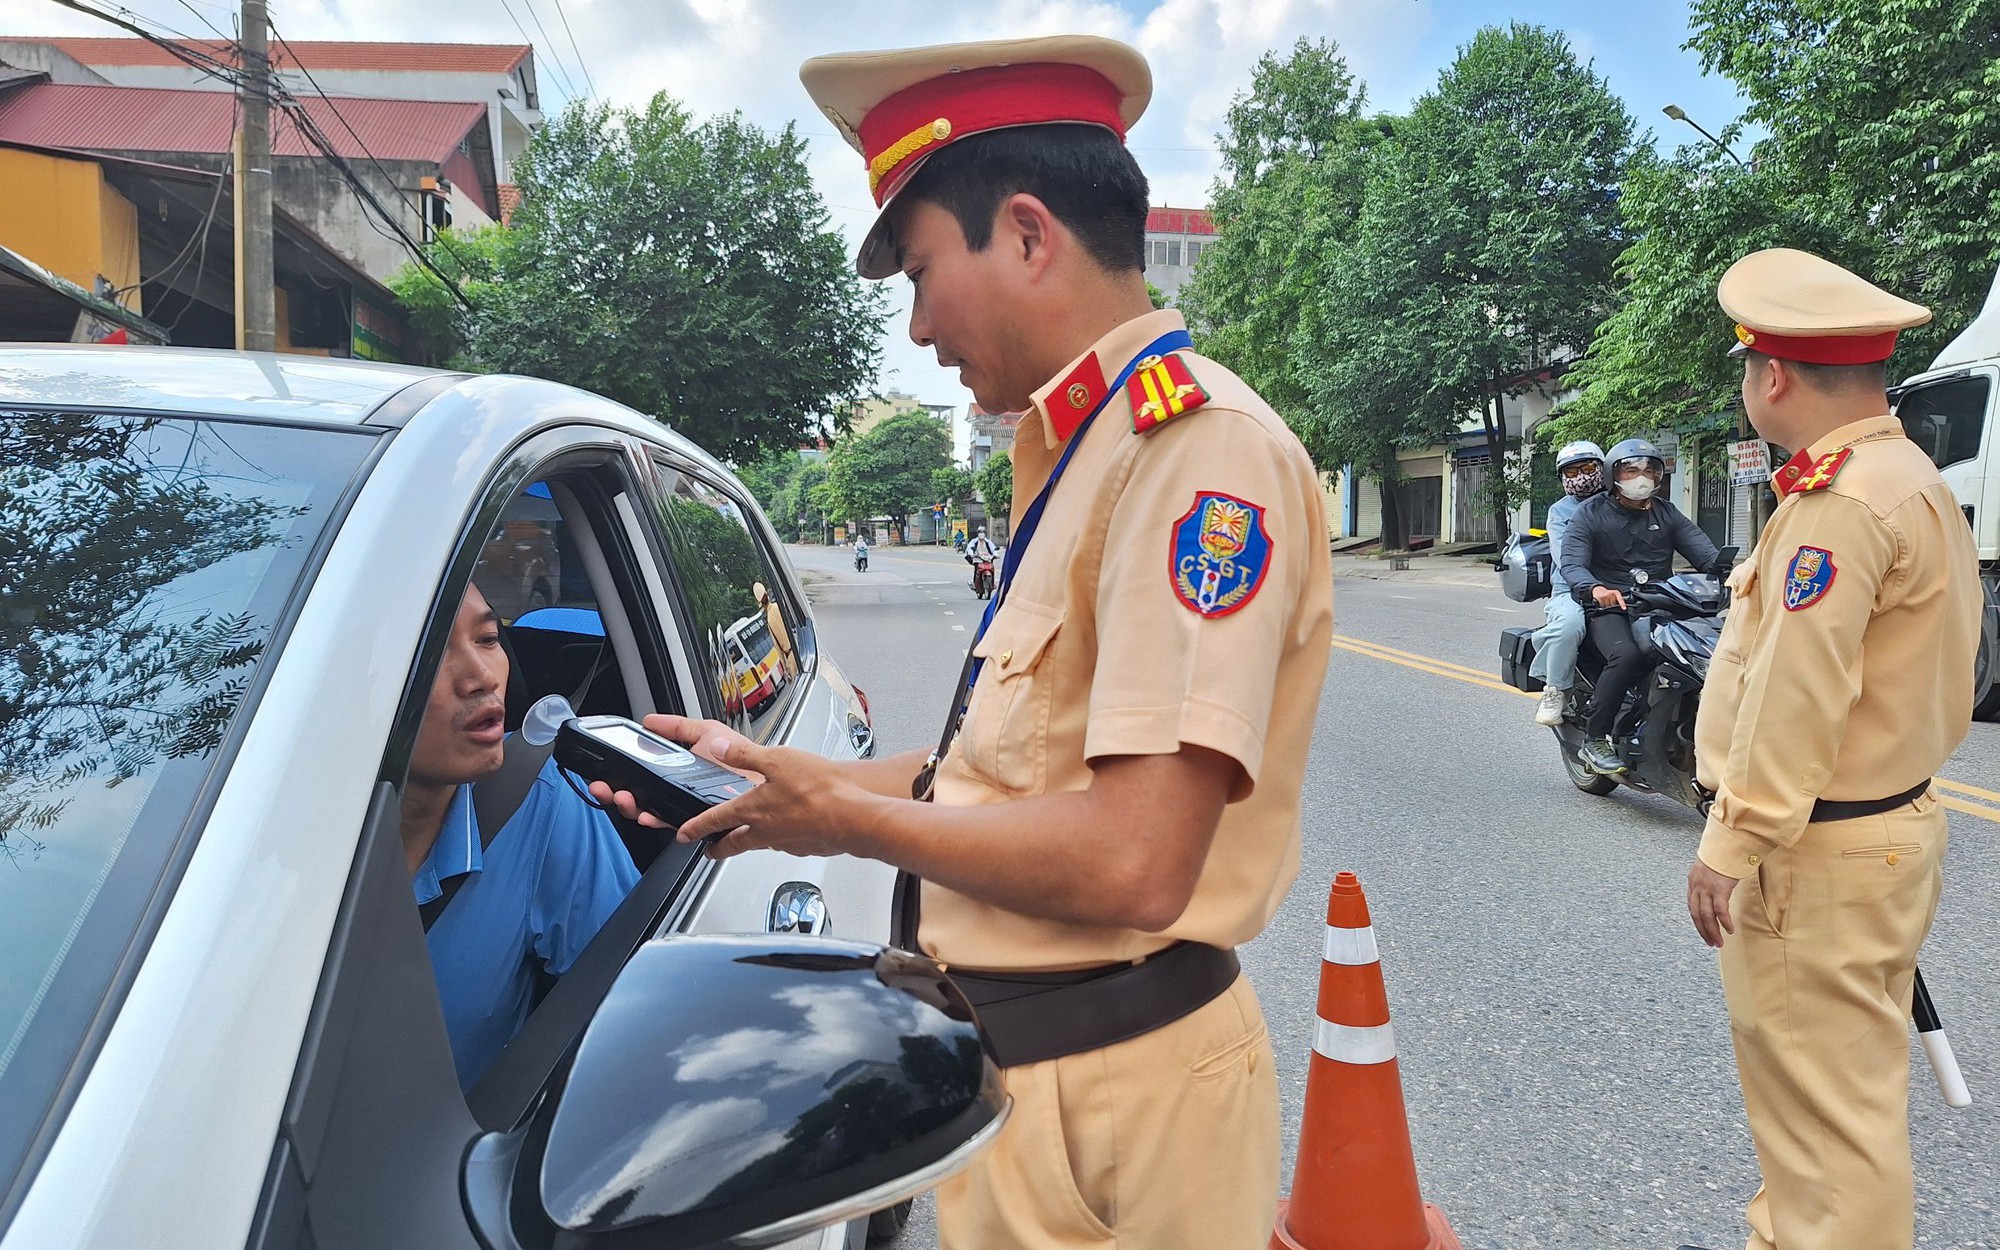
(685, 269)
(1381, 279)
(887, 471)
(1882, 152)
(996, 485)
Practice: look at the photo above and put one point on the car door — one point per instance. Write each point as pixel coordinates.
(369, 1150)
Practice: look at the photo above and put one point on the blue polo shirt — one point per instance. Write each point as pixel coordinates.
(551, 877)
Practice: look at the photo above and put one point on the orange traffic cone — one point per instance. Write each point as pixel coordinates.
(1356, 1183)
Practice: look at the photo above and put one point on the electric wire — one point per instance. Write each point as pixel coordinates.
(562, 79)
(554, 54)
(588, 81)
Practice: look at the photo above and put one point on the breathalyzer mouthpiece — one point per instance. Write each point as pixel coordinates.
(539, 726)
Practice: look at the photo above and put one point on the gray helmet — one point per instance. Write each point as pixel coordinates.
(1636, 449)
(1577, 452)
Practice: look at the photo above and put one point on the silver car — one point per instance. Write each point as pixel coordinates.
(226, 581)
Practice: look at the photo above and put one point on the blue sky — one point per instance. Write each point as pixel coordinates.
(719, 55)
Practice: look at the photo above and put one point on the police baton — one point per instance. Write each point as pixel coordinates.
(1937, 1047)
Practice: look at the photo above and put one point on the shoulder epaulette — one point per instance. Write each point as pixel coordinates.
(1161, 388)
(1823, 471)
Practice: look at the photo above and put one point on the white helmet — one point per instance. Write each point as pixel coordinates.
(1577, 452)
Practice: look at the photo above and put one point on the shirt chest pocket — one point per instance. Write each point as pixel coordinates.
(1006, 730)
(1745, 614)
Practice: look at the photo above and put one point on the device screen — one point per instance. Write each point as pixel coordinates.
(643, 746)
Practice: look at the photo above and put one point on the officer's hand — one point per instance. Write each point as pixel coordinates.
(710, 739)
(1708, 903)
(1608, 598)
(804, 805)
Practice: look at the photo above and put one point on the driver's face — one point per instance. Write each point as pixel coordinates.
(464, 720)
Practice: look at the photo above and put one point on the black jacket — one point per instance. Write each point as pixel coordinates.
(1607, 542)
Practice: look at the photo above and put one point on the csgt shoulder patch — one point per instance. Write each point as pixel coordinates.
(1220, 554)
(1809, 578)
(1161, 388)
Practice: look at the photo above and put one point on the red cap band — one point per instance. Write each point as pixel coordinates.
(900, 132)
(1822, 349)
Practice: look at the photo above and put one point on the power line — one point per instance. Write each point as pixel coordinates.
(555, 63)
(574, 48)
(554, 55)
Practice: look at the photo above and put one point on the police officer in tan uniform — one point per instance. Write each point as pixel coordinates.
(1118, 807)
(1842, 683)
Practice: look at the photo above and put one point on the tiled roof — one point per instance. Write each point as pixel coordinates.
(1179, 221)
(148, 119)
(510, 199)
(436, 58)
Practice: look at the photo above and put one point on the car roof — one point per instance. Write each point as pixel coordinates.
(267, 386)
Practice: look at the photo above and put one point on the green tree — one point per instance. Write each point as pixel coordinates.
(995, 480)
(796, 507)
(887, 470)
(1294, 154)
(1882, 152)
(685, 269)
(1487, 238)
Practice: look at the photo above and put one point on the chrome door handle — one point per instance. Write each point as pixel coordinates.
(799, 907)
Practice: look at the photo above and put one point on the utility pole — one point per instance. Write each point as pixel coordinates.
(256, 274)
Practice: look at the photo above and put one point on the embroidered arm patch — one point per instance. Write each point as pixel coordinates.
(1809, 578)
(1220, 554)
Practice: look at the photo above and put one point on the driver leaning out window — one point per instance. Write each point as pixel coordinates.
(505, 913)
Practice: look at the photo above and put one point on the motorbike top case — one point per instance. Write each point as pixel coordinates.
(1517, 652)
(1526, 567)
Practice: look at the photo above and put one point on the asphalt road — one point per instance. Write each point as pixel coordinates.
(1564, 1047)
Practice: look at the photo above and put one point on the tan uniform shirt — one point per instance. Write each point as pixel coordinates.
(1845, 667)
(1096, 651)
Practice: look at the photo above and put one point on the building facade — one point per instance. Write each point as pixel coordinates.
(1175, 240)
(989, 434)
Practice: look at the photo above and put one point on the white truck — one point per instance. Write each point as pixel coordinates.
(1952, 410)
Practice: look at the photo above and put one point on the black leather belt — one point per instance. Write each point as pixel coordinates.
(1033, 1016)
(1828, 809)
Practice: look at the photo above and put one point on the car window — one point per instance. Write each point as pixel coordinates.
(1946, 419)
(145, 565)
(747, 630)
(532, 572)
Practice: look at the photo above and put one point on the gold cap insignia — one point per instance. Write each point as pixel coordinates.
(1746, 336)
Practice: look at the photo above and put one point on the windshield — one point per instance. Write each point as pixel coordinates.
(144, 564)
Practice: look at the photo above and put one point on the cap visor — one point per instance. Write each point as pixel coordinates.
(1738, 351)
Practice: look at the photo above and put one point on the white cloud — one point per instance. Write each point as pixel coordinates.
(721, 55)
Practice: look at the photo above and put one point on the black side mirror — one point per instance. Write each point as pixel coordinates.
(744, 1089)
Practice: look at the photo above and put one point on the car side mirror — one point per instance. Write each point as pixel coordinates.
(744, 1090)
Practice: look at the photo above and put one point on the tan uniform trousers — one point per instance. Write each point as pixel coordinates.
(1167, 1140)
(1818, 976)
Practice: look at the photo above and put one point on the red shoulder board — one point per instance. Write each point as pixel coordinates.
(1161, 388)
(1823, 471)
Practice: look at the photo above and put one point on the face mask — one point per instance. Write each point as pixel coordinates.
(1638, 489)
(1583, 485)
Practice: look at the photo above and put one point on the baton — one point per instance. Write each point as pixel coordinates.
(1937, 1047)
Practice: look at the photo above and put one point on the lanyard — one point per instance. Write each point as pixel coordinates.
(1017, 548)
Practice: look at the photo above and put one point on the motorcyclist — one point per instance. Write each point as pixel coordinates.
(1618, 539)
(1581, 468)
(860, 551)
(980, 548)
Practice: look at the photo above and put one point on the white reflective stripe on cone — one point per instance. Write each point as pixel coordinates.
(1345, 1043)
(1352, 947)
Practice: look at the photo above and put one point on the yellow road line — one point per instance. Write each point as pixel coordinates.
(1471, 677)
(1434, 668)
(1481, 673)
(1959, 787)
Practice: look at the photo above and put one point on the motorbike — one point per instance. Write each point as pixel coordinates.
(861, 559)
(982, 578)
(1676, 624)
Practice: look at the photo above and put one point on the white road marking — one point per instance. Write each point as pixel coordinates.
(949, 612)
(959, 628)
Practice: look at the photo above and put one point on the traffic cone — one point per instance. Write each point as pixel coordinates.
(1355, 1187)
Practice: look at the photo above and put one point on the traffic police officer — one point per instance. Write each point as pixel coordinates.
(1119, 806)
(1820, 867)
